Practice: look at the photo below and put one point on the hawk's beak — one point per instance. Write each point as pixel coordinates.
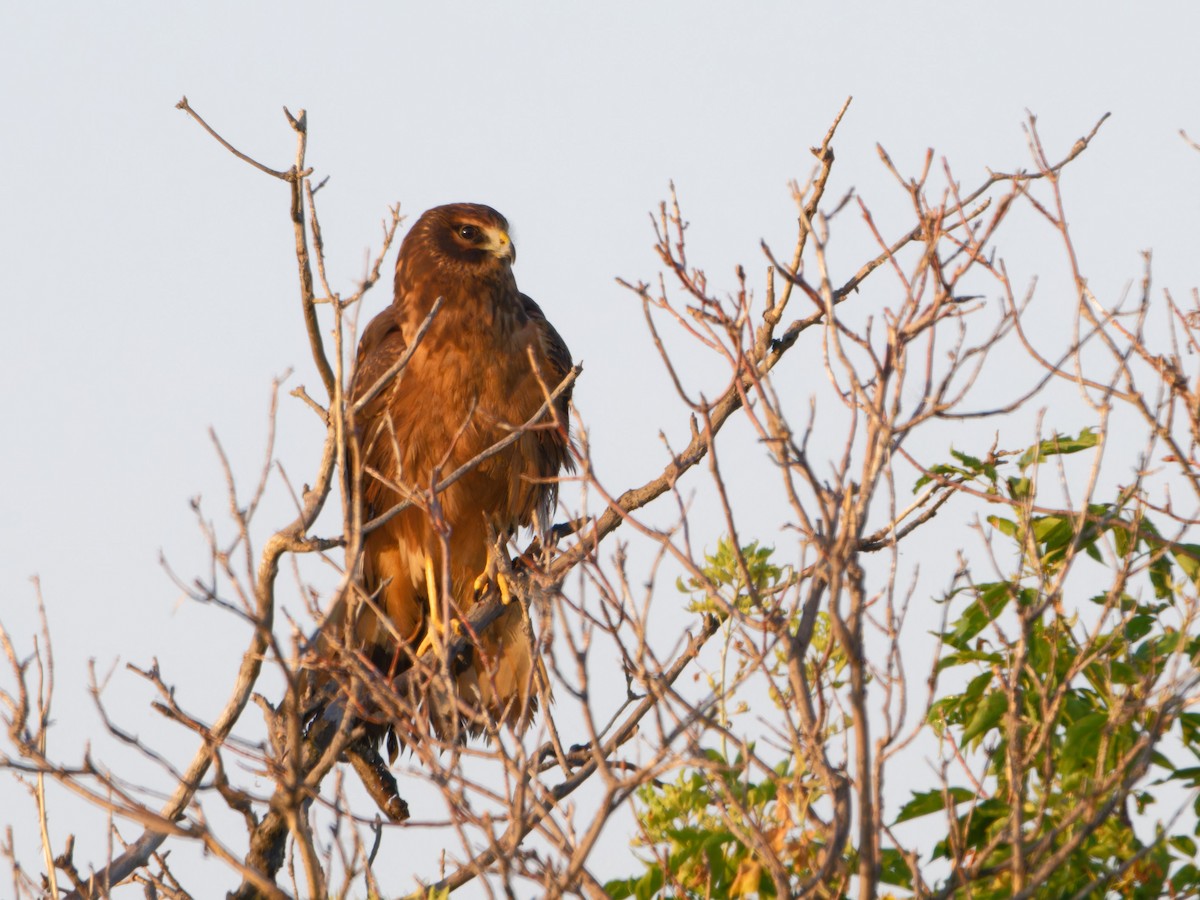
(505, 248)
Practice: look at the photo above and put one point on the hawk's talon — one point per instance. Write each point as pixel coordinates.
(456, 630)
(426, 643)
(496, 578)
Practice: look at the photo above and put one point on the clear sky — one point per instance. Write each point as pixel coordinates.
(149, 284)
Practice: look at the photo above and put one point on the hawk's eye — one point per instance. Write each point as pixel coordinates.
(469, 232)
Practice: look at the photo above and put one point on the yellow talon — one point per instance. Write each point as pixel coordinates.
(426, 643)
(497, 564)
(501, 583)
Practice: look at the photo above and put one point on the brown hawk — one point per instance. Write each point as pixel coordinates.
(480, 373)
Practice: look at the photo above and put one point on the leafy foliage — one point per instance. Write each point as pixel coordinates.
(1062, 722)
(697, 843)
(749, 580)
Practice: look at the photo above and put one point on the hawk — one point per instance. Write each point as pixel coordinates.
(482, 371)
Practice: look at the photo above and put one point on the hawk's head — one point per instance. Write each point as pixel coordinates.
(461, 236)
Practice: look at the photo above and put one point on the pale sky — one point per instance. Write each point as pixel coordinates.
(151, 287)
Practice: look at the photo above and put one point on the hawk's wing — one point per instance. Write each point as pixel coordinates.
(553, 347)
(382, 345)
(554, 446)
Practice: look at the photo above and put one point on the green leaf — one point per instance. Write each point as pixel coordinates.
(1189, 723)
(1188, 774)
(894, 868)
(990, 602)
(1138, 627)
(979, 821)
(1122, 673)
(1058, 445)
(649, 884)
(1160, 578)
(1082, 740)
(971, 469)
(965, 656)
(1161, 760)
(1053, 531)
(989, 712)
(1019, 488)
(1184, 845)
(1006, 527)
(1143, 799)
(1188, 557)
(922, 804)
(1122, 541)
(1185, 879)
(975, 689)
(969, 461)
